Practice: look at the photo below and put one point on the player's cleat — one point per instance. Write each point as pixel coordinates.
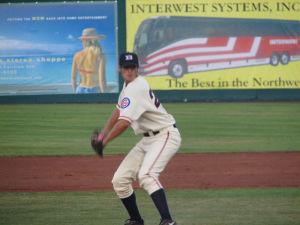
(133, 222)
(167, 222)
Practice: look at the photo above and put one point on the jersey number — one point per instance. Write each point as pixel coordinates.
(156, 101)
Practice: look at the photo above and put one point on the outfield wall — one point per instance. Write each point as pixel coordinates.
(174, 92)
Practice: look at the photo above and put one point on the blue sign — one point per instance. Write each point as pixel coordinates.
(38, 43)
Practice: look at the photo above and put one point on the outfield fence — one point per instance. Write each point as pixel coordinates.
(271, 82)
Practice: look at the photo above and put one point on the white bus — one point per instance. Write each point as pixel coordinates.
(174, 45)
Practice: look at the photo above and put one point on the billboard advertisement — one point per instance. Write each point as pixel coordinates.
(58, 48)
(192, 45)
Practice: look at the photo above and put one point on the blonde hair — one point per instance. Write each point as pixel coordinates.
(94, 51)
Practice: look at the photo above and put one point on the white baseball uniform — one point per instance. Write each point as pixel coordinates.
(161, 140)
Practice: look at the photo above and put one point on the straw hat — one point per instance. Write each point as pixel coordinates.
(91, 34)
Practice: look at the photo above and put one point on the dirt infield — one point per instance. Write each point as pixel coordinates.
(185, 171)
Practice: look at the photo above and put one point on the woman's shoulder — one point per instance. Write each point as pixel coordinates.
(79, 54)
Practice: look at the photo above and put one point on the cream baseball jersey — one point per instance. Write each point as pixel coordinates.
(139, 106)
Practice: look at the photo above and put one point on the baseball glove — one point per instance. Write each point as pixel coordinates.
(97, 144)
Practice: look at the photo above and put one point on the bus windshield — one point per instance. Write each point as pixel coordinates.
(142, 37)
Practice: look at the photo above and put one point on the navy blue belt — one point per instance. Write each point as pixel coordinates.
(148, 134)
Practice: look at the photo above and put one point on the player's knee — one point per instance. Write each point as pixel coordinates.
(149, 182)
(122, 187)
(142, 180)
(119, 182)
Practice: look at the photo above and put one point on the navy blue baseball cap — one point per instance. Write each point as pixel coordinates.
(128, 59)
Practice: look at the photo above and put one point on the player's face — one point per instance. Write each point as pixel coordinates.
(129, 73)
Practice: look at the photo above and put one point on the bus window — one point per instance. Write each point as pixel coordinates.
(180, 29)
(142, 34)
(141, 41)
(157, 37)
(170, 35)
(291, 29)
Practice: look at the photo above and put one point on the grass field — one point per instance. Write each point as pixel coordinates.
(65, 129)
(189, 207)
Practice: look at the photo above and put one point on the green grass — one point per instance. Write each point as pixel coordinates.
(189, 207)
(234, 127)
(65, 129)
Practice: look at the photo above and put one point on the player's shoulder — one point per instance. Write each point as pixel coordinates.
(140, 84)
(137, 88)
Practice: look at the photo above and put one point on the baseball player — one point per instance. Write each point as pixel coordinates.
(139, 108)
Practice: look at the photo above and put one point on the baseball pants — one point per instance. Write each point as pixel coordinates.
(146, 161)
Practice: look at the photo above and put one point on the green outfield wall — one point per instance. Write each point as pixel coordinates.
(172, 89)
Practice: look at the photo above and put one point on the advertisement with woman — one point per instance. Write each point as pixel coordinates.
(58, 48)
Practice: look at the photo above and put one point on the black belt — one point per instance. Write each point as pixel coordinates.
(148, 134)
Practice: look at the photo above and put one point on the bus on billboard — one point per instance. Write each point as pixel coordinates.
(178, 45)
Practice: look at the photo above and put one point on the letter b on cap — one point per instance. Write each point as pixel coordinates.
(128, 57)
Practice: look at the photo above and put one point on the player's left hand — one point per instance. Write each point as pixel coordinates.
(96, 142)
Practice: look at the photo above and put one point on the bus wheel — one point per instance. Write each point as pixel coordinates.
(274, 59)
(285, 58)
(177, 68)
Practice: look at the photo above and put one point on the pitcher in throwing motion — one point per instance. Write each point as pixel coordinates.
(139, 108)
